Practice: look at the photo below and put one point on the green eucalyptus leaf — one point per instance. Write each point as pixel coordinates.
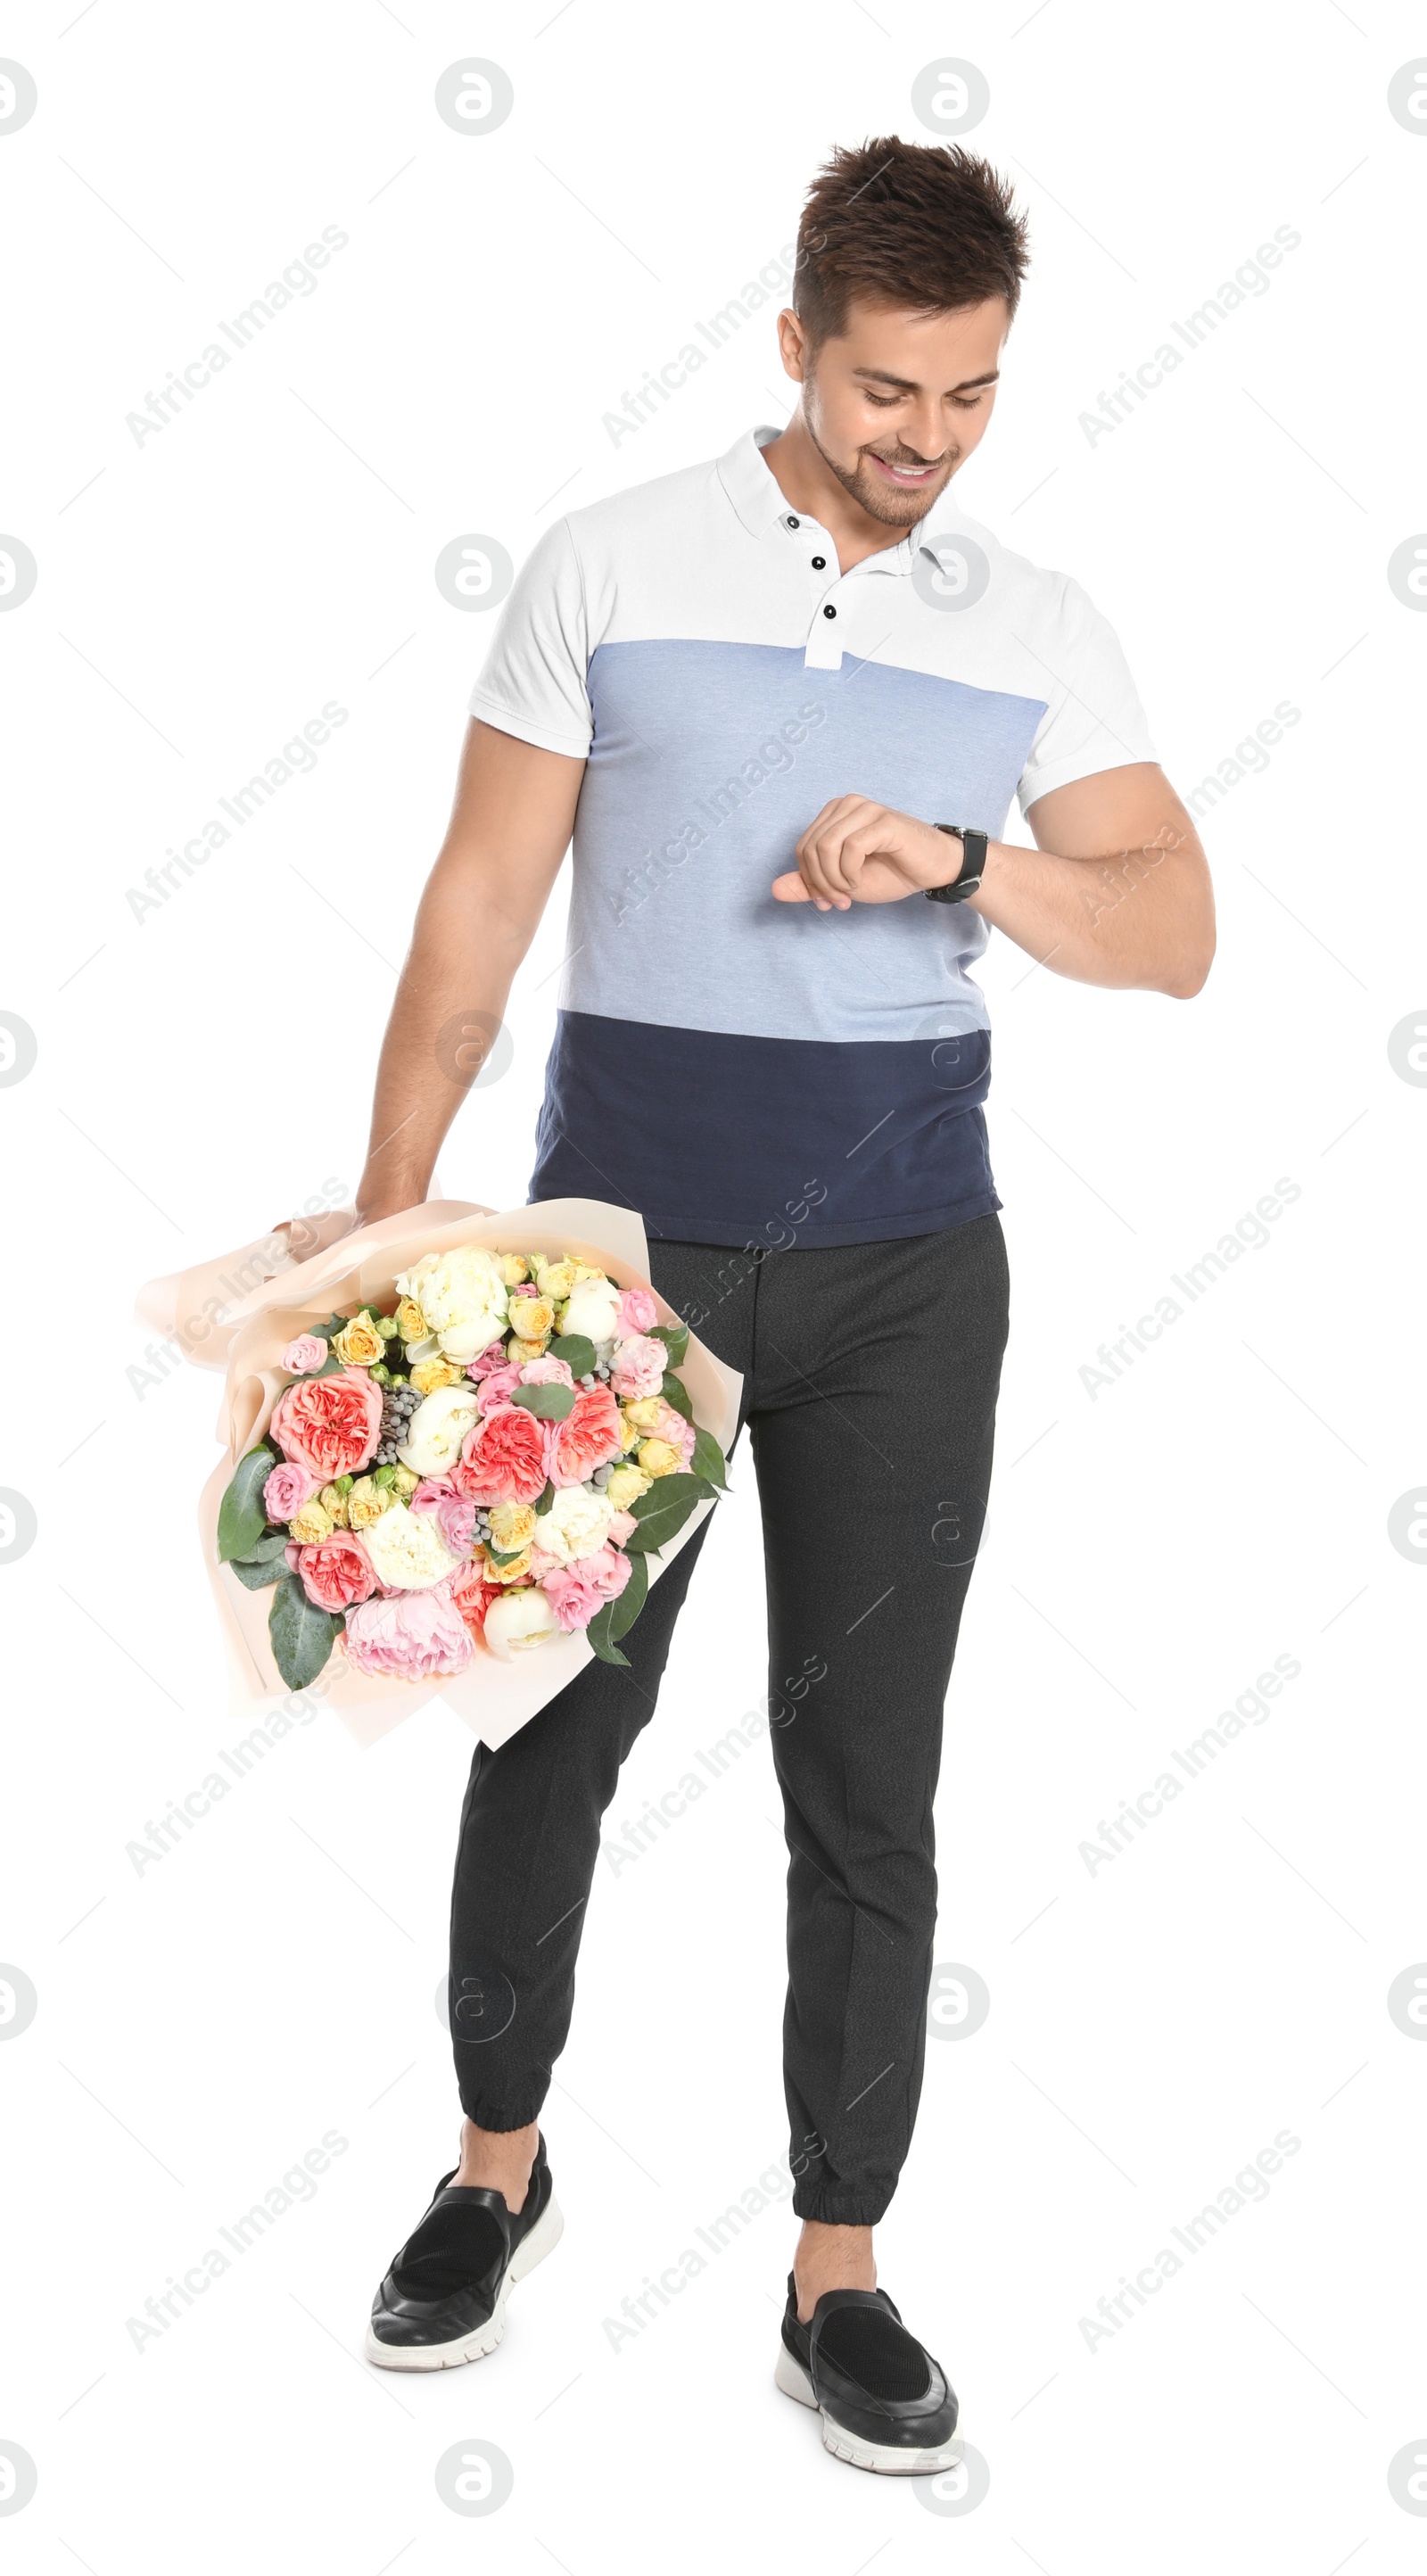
(599, 1633)
(241, 1517)
(676, 1393)
(547, 1403)
(675, 1338)
(576, 1350)
(626, 1608)
(266, 1564)
(301, 1634)
(662, 1511)
(708, 1459)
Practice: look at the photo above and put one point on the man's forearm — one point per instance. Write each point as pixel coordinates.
(448, 1009)
(1140, 917)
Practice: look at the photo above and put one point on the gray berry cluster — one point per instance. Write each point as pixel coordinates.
(399, 1402)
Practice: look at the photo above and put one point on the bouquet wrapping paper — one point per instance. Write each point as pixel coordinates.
(246, 1336)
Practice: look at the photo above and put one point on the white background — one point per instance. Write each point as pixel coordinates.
(207, 1067)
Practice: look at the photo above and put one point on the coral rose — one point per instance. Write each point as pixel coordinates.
(329, 1424)
(334, 1574)
(409, 1636)
(473, 1596)
(504, 1459)
(588, 1437)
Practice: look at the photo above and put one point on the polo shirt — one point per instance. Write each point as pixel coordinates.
(740, 1070)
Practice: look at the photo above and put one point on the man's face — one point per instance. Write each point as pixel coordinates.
(899, 399)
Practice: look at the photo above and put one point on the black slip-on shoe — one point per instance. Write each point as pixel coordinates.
(443, 2301)
(885, 2404)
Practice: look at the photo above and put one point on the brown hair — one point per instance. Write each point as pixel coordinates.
(925, 225)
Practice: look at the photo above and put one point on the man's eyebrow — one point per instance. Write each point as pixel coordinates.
(908, 384)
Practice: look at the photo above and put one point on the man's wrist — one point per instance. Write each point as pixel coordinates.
(970, 852)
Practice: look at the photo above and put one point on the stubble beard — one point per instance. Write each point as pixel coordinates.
(880, 500)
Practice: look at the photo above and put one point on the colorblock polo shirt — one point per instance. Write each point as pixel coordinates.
(741, 1070)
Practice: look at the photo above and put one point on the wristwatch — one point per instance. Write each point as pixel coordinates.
(973, 860)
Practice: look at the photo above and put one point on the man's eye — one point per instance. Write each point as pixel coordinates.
(884, 402)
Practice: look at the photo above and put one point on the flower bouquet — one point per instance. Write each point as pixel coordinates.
(464, 1472)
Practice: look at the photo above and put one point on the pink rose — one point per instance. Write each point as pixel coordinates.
(492, 1357)
(497, 1383)
(411, 1635)
(454, 1514)
(672, 1427)
(639, 1366)
(575, 1592)
(636, 1312)
(546, 1371)
(287, 1489)
(329, 1424)
(589, 1437)
(335, 1573)
(503, 1459)
(307, 1352)
(622, 1525)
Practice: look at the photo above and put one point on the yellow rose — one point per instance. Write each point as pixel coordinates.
(584, 1270)
(645, 1411)
(556, 1279)
(366, 1503)
(410, 1321)
(404, 1482)
(429, 1374)
(512, 1526)
(334, 1504)
(359, 1343)
(658, 1459)
(513, 1269)
(311, 1526)
(521, 1351)
(519, 1572)
(625, 1486)
(533, 1316)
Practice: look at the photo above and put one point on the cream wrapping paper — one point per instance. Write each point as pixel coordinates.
(240, 1312)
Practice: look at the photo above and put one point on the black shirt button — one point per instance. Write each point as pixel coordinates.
(795, 523)
(829, 612)
(819, 563)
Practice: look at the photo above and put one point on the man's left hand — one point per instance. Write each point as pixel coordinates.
(856, 851)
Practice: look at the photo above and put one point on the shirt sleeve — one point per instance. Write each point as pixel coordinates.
(1094, 719)
(533, 684)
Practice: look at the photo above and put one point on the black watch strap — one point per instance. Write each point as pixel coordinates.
(973, 860)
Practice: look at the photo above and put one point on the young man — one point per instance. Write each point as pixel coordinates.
(781, 700)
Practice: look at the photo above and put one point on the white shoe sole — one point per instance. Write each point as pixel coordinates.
(544, 2236)
(887, 2459)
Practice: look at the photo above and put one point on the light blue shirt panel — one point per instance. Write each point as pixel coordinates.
(694, 799)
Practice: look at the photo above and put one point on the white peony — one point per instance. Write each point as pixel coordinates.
(518, 1621)
(462, 1295)
(576, 1524)
(437, 1429)
(408, 1550)
(591, 1310)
